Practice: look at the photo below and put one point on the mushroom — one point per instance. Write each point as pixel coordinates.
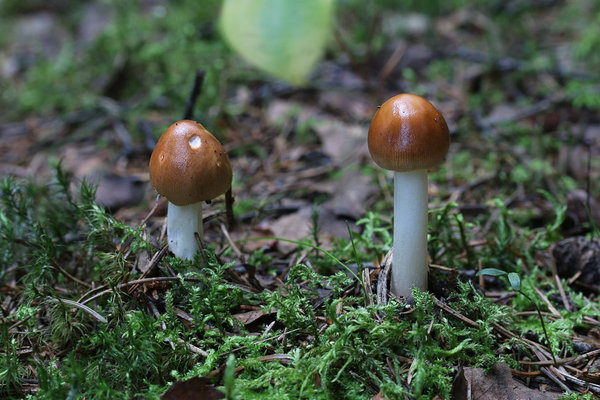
(188, 166)
(408, 135)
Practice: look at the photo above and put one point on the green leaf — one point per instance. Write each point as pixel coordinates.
(491, 272)
(282, 37)
(229, 376)
(514, 281)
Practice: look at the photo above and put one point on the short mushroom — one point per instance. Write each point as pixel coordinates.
(188, 166)
(408, 135)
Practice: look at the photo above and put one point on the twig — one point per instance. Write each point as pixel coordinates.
(137, 282)
(561, 290)
(153, 262)
(555, 379)
(196, 89)
(162, 323)
(235, 249)
(455, 313)
(551, 371)
(229, 200)
(390, 65)
(569, 360)
(505, 332)
(189, 346)
(442, 268)
(193, 348)
(150, 214)
(82, 307)
(382, 282)
(71, 277)
(552, 309)
(580, 383)
(507, 64)
(155, 258)
(269, 327)
(537, 308)
(366, 278)
(530, 313)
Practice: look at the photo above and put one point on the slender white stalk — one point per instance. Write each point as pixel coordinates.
(182, 223)
(409, 263)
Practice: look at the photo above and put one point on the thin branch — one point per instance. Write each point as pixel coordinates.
(82, 307)
(196, 90)
(139, 281)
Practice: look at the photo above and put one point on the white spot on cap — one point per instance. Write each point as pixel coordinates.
(195, 142)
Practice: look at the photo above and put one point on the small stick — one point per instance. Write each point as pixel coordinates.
(138, 281)
(383, 278)
(150, 214)
(525, 374)
(229, 200)
(82, 307)
(530, 313)
(193, 348)
(569, 360)
(196, 89)
(481, 277)
(366, 277)
(572, 279)
(235, 249)
(203, 260)
(269, 327)
(555, 379)
(552, 309)
(390, 65)
(563, 295)
(442, 268)
(503, 331)
(189, 346)
(71, 277)
(162, 323)
(455, 313)
(153, 262)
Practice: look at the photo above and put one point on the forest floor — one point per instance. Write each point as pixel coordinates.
(286, 302)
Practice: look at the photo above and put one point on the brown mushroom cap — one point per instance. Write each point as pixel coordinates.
(408, 133)
(189, 165)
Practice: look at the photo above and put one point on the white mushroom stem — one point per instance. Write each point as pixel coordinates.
(182, 223)
(409, 264)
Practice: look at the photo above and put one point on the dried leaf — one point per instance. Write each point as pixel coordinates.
(115, 191)
(197, 388)
(496, 384)
(250, 316)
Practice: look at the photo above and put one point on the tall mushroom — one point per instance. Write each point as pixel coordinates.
(188, 166)
(408, 135)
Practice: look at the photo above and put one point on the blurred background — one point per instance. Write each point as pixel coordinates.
(93, 84)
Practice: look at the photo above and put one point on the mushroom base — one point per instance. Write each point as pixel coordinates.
(182, 223)
(409, 263)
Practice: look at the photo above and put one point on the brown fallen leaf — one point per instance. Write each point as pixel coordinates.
(578, 260)
(115, 191)
(341, 141)
(496, 384)
(197, 388)
(251, 316)
(282, 358)
(378, 396)
(292, 227)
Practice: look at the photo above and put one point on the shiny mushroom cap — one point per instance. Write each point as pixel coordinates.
(408, 133)
(189, 165)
